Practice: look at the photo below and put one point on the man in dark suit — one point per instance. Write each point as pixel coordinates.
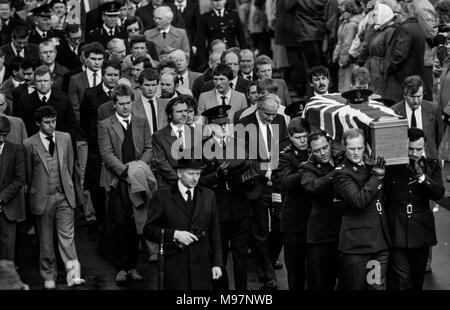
(12, 199)
(184, 219)
(27, 66)
(15, 79)
(186, 77)
(322, 235)
(145, 13)
(364, 237)
(92, 16)
(47, 53)
(247, 65)
(405, 54)
(421, 114)
(219, 23)
(409, 189)
(68, 55)
(190, 12)
(19, 45)
(93, 98)
(9, 21)
(123, 138)
(109, 28)
(43, 31)
(261, 138)
(221, 176)
(232, 59)
(263, 66)
(45, 95)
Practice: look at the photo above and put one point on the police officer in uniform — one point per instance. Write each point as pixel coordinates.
(364, 238)
(219, 23)
(109, 29)
(325, 219)
(43, 31)
(409, 189)
(224, 174)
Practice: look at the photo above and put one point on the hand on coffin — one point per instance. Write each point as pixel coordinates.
(378, 169)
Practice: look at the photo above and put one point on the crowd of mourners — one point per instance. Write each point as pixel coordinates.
(102, 104)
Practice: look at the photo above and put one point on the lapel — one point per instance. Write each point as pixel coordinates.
(179, 201)
(198, 202)
(167, 131)
(84, 80)
(213, 98)
(172, 36)
(161, 113)
(39, 146)
(138, 107)
(6, 153)
(426, 116)
(137, 130)
(101, 95)
(60, 149)
(115, 124)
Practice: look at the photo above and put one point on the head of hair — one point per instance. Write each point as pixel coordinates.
(314, 136)
(190, 102)
(28, 63)
(130, 20)
(149, 75)
(360, 74)
(122, 90)
(42, 70)
(251, 84)
(267, 84)
(167, 63)
(222, 69)
(412, 84)
(230, 51)
(352, 7)
(351, 134)
(297, 125)
(110, 63)
(166, 10)
(93, 48)
(20, 32)
(44, 111)
(71, 28)
(47, 43)
(15, 63)
(176, 80)
(138, 38)
(318, 71)
(5, 125)
(247, 51)
(181, 52)
(214, 43)
(169, 107)
(268, 98)
(113, 43)
(263, 60)
(415, 134)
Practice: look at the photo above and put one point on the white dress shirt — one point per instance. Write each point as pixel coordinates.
(108, 30)
(263, 128)
(1, 148)
(148, 111)
(219, 96)
(106, 89)
(2, 74)
(167, 30)
(22, 52)
(176, 129)
(185, 76)
(181, 6)
(90, 76)
(418, 115)
(234, 81)
(183, 189)
(47, 95)
(220, 12)
(41, 33)
(122, 120)
(45, 141)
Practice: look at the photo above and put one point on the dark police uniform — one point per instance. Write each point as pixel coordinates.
(324, 223)
(411, 221)
(364, 237)
(54, 35)
(294, 215)
(227, 28)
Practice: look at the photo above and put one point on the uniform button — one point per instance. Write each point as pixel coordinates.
(410, 192)
(221, 23)
(223, 30)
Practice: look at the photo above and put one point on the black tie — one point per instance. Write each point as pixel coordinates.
(249, 77)
(224, 98)
(44, 35)
(111, 33)
(154, 122)
(95, 79)
(269, 138)
(109, 93)
(180, 137)
(164, 35)
(51, 146)
(127, 122)
(180, 8)
(413, 119)
(189, 198)
(181, 79)
(231, 85)
(44, 100)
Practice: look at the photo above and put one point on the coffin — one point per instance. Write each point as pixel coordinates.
(385, 131)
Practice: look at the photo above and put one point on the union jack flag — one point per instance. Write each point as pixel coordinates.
(334, 115)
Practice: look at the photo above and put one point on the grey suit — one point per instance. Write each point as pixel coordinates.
(6, 90)
(77, 85)
(208, 100)
(176, 38)
(54, 207)
(283, 92)
(192, 76)
(18, 131)
(432, 125)
(161, 119)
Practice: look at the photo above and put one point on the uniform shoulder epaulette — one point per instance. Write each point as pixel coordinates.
(286, 149)
(340, 167)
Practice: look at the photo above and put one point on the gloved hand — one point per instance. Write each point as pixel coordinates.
(222, 170)
(378, 169)
(418, 168)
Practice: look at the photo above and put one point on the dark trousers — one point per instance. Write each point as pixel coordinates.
(123, 228)
(428, 83)
(356, 268)
(298, 72)
(92, 183)
(322, 265)
(407, 268)
(261, 42)
(7, 238)
(275, 237)
(295, 259)
(234, 233)
(259, 235)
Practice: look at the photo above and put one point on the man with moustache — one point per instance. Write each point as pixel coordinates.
(324, 222)
(364, 236)
(27, 67)
(168, 84)
(319, 80)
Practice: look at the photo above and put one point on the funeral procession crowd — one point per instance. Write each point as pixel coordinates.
(196, 132)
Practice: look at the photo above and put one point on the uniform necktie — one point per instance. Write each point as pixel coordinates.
(95, 79)
(164, 35)
(224, 98)
(51, 146)
(44, 100)
(269, 138)
(154, 122)
(111, 32)
(189, 198)
(413, 119)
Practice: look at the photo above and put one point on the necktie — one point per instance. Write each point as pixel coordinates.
(95, 79)
(231, 85)
(181, 78)
(180, 137)
(44, 35)
(109, 93)
(413, 119)
(180, 8)
(249, 77)
(44, 100)
(154, 123)
(164, 35)
(224, 98)
(269, 138)
(111, 32)
(127, 122)
(51, 146)
(189, 198)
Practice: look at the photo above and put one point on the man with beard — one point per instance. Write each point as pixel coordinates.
(168, 83)
(324, 221)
